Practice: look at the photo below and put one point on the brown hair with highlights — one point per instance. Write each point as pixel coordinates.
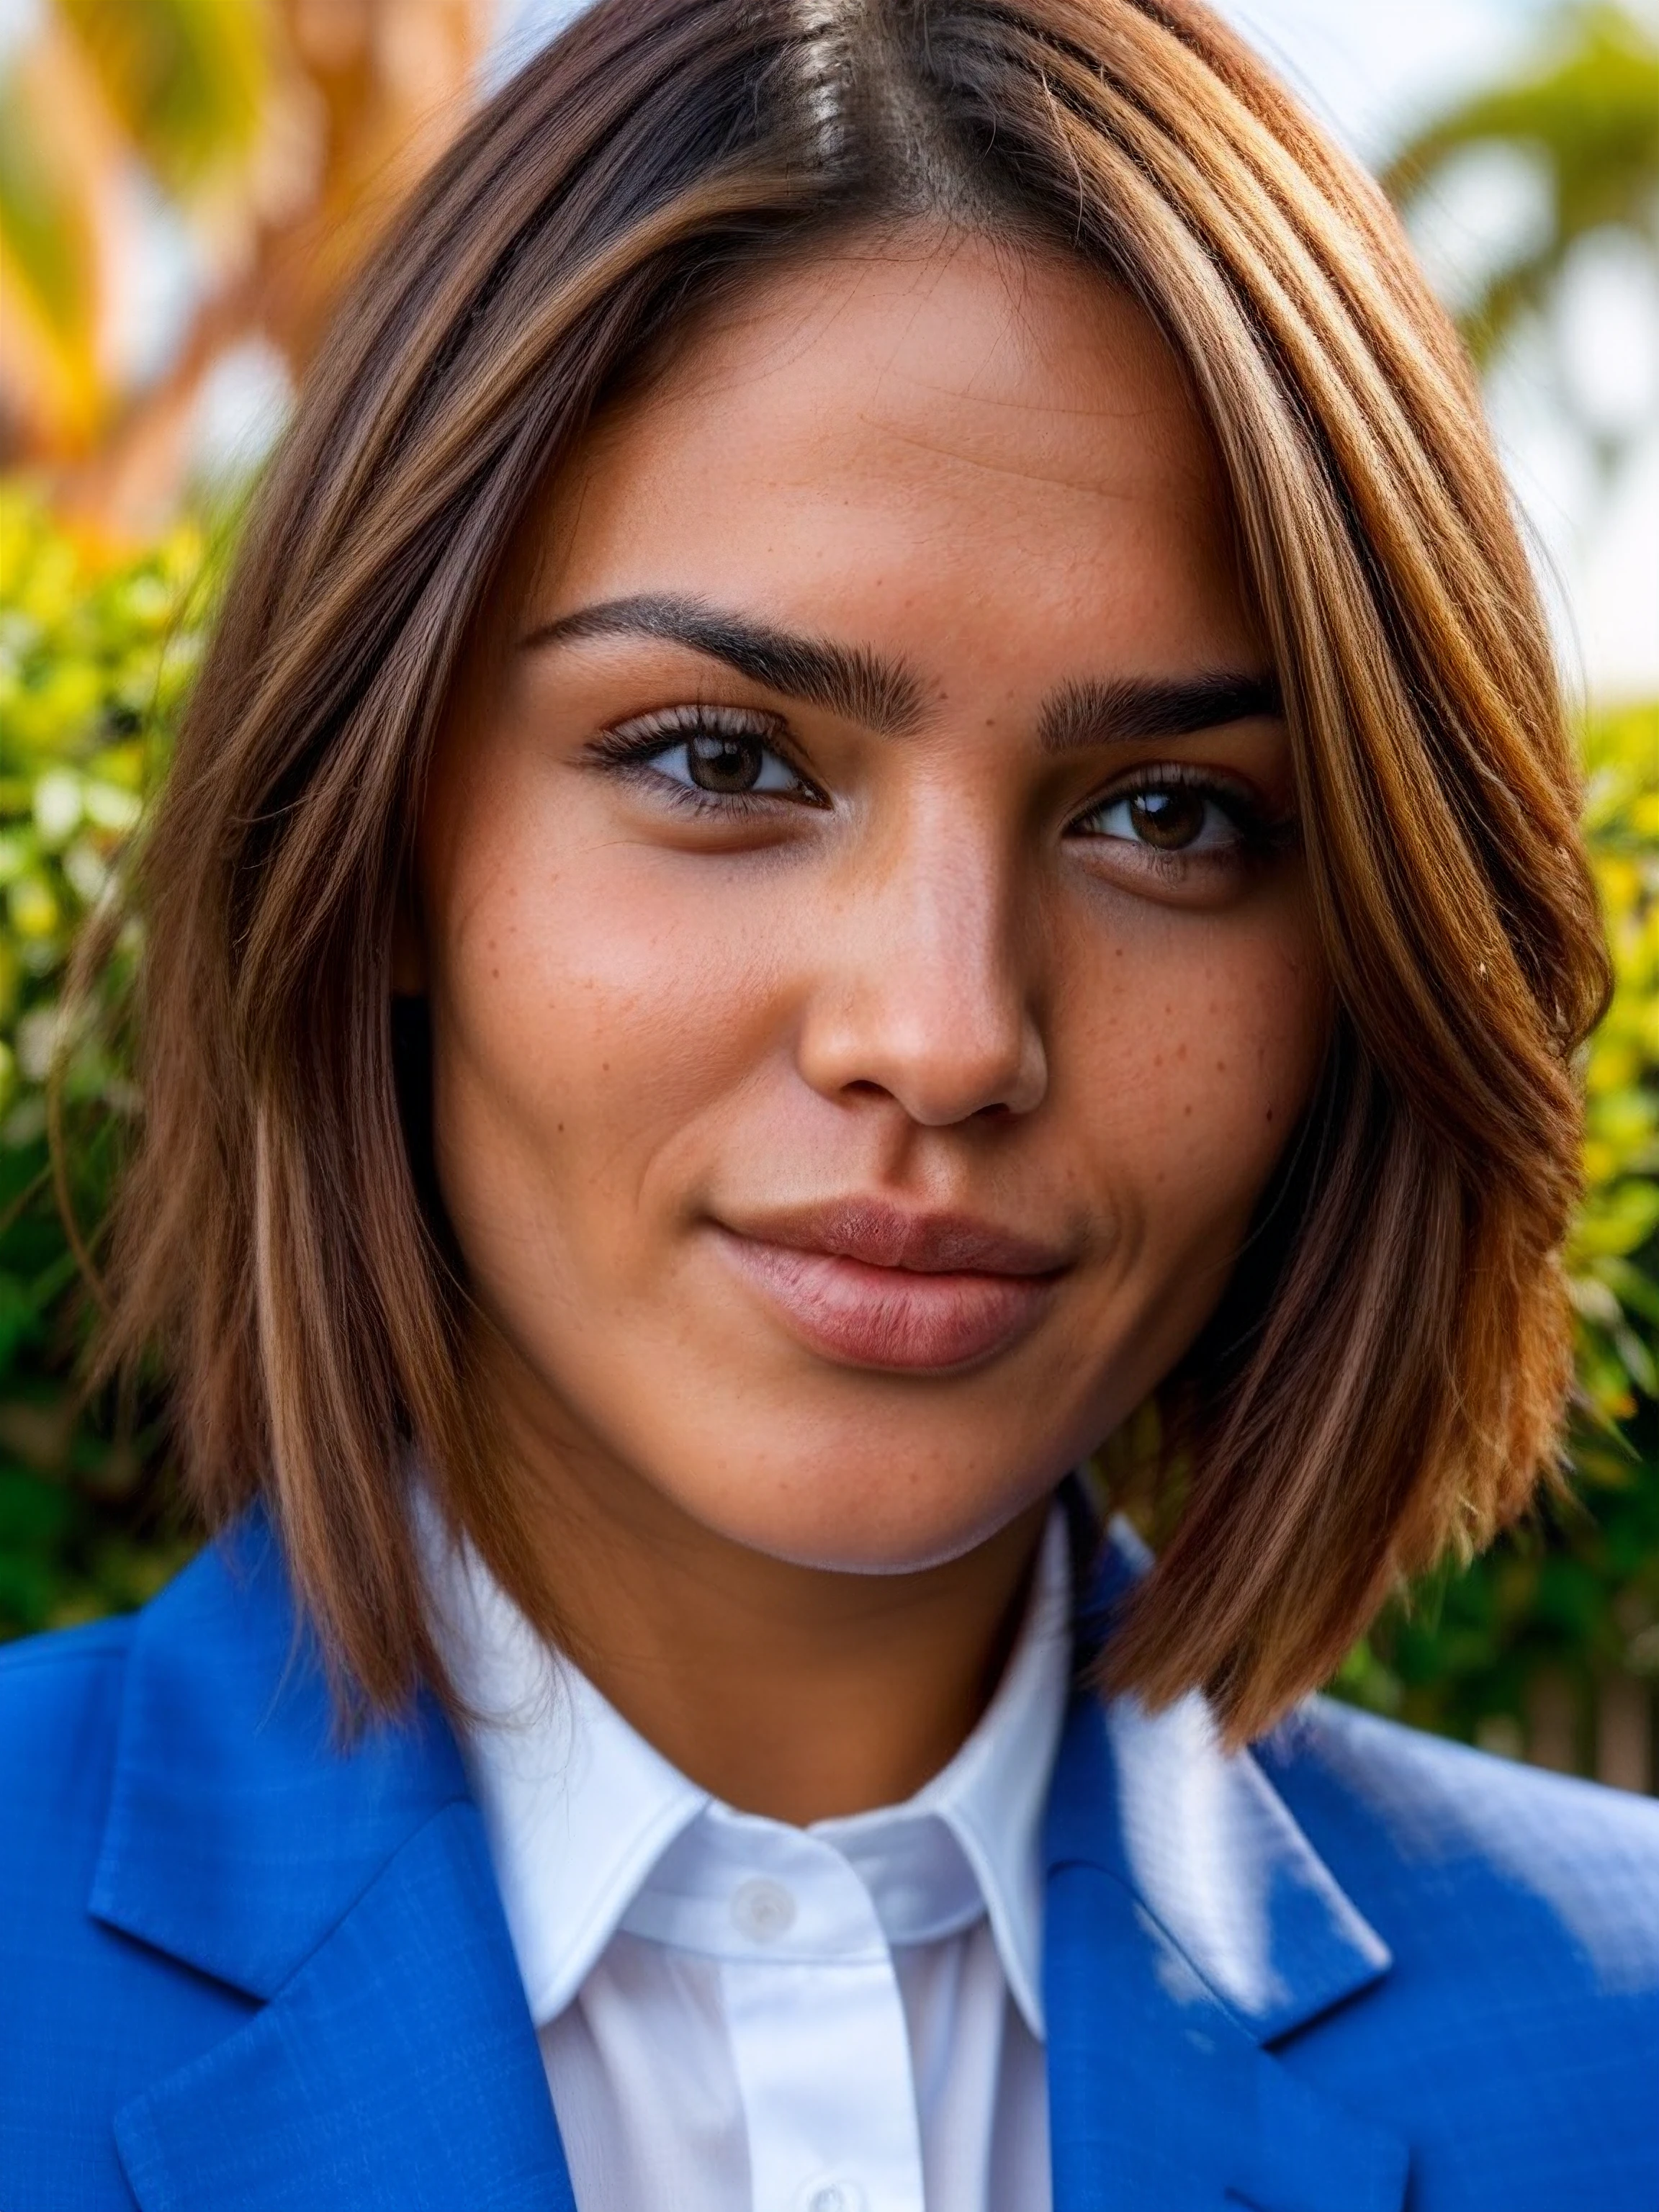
(1386, 1373)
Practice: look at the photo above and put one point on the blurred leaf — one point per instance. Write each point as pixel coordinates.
(187, 78)
(1589, 113)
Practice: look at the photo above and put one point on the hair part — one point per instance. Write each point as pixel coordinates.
(1387, 1371)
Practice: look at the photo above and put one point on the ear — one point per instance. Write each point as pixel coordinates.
(409, 961)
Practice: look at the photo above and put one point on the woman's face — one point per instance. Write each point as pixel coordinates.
(871, 968)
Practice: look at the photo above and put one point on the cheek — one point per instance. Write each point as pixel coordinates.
(1201, 1054)
(588, 1017)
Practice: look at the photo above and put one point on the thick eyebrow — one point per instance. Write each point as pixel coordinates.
(1126, 707)
(885, 695)
(849, 680)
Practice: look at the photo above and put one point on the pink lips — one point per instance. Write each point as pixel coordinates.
(867, 1283)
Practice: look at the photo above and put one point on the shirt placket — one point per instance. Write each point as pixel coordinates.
(820, 2046)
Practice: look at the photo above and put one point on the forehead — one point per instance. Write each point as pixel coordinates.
(933, 427)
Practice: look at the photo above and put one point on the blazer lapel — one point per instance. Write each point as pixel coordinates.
(393, 2065)
(1189, 1926)
(398, 2069)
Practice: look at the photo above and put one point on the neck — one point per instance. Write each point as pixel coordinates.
(793, 1691)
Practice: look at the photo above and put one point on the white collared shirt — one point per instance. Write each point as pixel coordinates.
(738, 2015)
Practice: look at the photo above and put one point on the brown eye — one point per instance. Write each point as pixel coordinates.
(1171, 819)
(1178, 816)
(723, 763)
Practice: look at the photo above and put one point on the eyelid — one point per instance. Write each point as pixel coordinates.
(1191, 775)
(685, 719)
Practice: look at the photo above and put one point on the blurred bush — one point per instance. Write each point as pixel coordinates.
(94, 660)
(1550, 1644)
(1531, 1647)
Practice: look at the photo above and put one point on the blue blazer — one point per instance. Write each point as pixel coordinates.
(1356, 1971)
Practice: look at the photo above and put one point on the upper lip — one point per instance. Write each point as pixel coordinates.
(883, 1235)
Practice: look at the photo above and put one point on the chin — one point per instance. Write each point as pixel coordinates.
(863, 1524)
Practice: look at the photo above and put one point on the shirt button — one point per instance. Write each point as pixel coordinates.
(837, 2195)
(763, 1910)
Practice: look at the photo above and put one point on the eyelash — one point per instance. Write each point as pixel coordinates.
(630, 748)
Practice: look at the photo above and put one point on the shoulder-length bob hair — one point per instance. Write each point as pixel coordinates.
(1388, 1371)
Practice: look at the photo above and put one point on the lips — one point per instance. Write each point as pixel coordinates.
(868, 1283)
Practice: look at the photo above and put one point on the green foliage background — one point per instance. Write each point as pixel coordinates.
(1573, 1597)
(96, 659)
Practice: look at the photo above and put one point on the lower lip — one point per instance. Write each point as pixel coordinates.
(892, 1317)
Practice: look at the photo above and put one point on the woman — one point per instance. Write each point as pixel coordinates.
(880, 798)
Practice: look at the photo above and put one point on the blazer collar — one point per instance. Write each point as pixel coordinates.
(1206, 1846)
(1191, 1926)
(393, 2064)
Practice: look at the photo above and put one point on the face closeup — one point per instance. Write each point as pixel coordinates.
(872, 969)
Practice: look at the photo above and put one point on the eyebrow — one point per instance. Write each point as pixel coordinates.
(849, 680)
(886, 697)
(1123, 709)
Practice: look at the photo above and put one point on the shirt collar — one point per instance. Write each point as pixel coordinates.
(580, 1809)
(991, 1796)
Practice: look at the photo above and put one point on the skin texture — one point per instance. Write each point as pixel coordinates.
(930, 975)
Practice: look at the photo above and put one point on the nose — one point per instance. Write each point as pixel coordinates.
(921, 985)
